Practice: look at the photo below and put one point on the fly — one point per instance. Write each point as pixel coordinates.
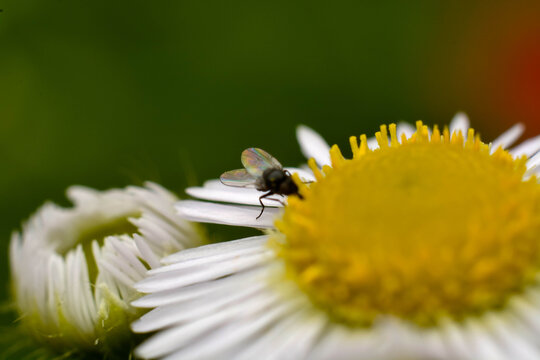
(264, 172)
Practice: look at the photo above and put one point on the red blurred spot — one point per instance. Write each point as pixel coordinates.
(521, 80)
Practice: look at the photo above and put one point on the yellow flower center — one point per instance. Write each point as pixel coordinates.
(432, 227)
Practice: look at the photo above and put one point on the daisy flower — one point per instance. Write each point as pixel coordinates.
(73, 269)
(424, 244)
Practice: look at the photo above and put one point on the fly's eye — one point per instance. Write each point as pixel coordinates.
(276, 175)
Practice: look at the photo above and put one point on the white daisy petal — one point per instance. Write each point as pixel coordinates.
(300, 338)
(435, 346)
(55, 287)
(179, 278)
(170, 340)
(277, 338)
(343, 344)
(256, 246)
(212, 250)
(226, 214)
(509, 137)
(179, 312)
(215, 191)
(517, 347)
(305, 174)
(127, 256)
(245, 329)
(177, 337)
(528, 315)
(455, 339)
(406, 129)
(533, 163)
(527, 148)
(460, 122)
(482, 344)
(313, 145)
(372, 143)
(195, 291)
(146, 252)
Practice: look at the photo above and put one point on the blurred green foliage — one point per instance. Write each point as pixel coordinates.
(112, 93)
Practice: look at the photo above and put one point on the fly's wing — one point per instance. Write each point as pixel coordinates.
(238, 178)
(257, 160)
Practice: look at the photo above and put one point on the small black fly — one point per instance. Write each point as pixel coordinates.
(264, 172)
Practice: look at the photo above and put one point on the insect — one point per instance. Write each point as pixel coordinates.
(264, 172)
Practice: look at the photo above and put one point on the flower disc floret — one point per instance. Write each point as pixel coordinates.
(425, 228)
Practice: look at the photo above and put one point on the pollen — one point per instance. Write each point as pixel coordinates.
(424, 228)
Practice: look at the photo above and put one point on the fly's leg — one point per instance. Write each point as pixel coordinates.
(270, 193)
(277, 200)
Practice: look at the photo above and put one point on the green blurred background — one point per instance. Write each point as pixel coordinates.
(112, 93)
